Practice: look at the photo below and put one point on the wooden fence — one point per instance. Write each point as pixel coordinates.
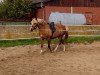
(84, 30)
(10, 32)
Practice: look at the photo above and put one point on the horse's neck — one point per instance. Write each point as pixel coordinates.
(43, 25)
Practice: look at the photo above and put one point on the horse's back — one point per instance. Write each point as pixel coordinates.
(60, 27)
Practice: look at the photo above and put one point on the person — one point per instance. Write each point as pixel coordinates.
(52, 27)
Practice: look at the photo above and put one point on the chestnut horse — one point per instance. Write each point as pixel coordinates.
(45, 32)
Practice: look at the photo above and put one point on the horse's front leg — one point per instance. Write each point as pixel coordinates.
(49, 40)
(42, 42)
(60, 41)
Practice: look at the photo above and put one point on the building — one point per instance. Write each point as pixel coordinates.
(90, 8)
(74, 3)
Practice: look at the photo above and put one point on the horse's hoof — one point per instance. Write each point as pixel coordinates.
(54, 51)
(41, 51)
(51, 51)
(64, 50)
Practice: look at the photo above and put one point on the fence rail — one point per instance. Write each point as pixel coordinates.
(9, 32)
(14, 23)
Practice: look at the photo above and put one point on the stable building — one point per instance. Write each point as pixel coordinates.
(90, 8)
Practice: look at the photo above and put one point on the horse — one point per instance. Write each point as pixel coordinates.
(45, 32)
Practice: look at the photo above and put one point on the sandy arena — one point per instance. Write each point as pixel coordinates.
(78, 59)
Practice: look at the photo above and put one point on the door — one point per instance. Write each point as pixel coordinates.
(89, 18)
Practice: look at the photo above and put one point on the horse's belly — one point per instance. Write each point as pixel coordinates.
(56, 34)
(45, 34)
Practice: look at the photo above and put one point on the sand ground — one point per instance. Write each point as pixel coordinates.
(78, 59)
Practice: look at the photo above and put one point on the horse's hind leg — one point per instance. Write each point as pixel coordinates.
(60, 41)
(56, 48)
(63, 43)
(42, 40)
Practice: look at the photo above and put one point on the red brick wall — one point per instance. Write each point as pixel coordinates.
(75, 3)
(95, 11)
(49, 10)
(39, 13)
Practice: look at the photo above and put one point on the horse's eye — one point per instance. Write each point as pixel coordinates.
(34, 23)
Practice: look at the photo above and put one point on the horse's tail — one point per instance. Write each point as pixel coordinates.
(65, 36)
(66, 33)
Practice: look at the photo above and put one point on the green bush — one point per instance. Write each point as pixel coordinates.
(15, 8)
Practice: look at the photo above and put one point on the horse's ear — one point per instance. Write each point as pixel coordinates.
(36, 19)
(32, 18)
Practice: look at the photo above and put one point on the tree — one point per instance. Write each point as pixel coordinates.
(15, 8)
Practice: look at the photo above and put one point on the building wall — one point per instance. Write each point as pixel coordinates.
(95, 12)
(75, 3)
(48, 11)
(92, 13)
(97, 3)
(40, 13)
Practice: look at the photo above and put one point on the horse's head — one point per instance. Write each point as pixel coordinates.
(35, 23)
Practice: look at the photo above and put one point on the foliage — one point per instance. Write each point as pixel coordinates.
(15, 8)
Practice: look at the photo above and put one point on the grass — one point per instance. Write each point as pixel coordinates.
(11, 43)
(84, 39)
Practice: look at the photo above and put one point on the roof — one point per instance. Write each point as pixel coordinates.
(38, 1)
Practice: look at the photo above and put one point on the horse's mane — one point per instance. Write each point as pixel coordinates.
(37, 20)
